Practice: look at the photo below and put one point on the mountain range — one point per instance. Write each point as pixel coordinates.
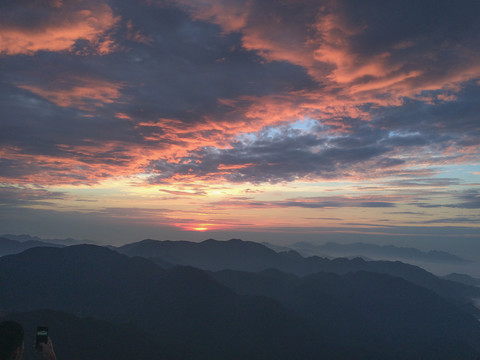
(92, 297)
(8, 246)
(241, 255)
(463, 279)
(376, 252)
(64, 242)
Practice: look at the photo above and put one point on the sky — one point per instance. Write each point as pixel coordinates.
(279, 121)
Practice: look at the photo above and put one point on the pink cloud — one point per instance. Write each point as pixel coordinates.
(324, 44)
(56, 26)
(78, 92)
(231, 15)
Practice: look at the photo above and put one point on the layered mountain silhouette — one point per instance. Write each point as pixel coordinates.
(367, 308)
(376, 252)
(8, 246)
(190, 314)
(63, 242)
(463, 279)
(187, 313)
(241, 255)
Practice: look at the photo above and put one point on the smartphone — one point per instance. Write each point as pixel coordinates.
(41, 337)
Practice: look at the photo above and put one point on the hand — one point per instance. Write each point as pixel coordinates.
(47, 350)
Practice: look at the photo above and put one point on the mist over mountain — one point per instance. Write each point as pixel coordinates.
(8, 246)
(364, 307)
(440, 263)
(64, 242)
(192, 315)
(376, 251)
(249, 256)
(182, 312)
(463, 279)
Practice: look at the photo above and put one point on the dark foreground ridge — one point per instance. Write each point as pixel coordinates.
(97, 298)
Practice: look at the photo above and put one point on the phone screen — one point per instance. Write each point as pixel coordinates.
(42, 336)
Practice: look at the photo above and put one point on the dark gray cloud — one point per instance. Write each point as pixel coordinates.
(428, 22)
(275, 157)
(319, 202)
(426, 182)
(467, 199)
(437, 124)
(408, 132)
(39, 127)
(285, 154)
(456, 220)
(342, 203)
(407, 213)
(470, 199)
(190, 65)
(27, 195)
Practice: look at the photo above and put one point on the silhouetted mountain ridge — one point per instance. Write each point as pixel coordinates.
(376, 251)
(363, 307)
(8, 246)
(463, 279)
(241, 255)
(64, 242)
(216, 255)
(190, 314)
(193, 315)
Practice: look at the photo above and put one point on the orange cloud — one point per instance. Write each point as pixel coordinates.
(78, 92)
(231, 16)
(325, 48)
(234, 167)
(60, 27)
(86, 164)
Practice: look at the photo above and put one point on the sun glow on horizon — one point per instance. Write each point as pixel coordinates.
(202, 228)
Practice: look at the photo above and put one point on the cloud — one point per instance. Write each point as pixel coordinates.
(78, 92)
(289, 153)
(184, 193)
(461, 220)
(466, 199)
(315, 204)
(231, 15)
(191, 80)
(27, 195)
(368, 46)
(426, 182)
(318, 202)
(31, 26)
(470, 199)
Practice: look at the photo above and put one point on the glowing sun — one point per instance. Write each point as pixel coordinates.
(200, 228)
